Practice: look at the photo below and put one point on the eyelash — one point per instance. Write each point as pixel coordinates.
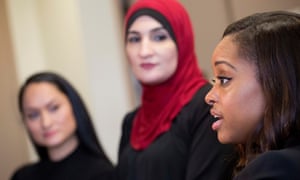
(161, 37)
(157, 38)
(133, 39)
(32, 116)
(222, 80)
(35, 115)
(53, 108)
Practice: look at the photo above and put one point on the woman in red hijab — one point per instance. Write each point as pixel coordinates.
(168, 136)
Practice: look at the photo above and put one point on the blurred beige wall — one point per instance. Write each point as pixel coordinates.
(211, 17)
(13, 148)
(82, 40)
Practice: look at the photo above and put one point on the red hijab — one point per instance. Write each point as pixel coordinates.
(161, 103)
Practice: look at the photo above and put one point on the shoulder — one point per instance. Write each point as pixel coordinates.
(196, 112)
(100, 164)
(84, 159)
(277, 164)
(194, 120)
(25, 171)
(199, 97)
(197, 103)
(126, 129)
(99, 169)
(287, 156)
(93, 166)
(128, 119)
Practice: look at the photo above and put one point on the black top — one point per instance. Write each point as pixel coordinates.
(189, 150)
(276, 164)
(80, 165)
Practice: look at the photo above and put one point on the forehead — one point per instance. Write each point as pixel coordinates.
(226, 47)
(41, 87)
(144, 22)
(41, 92)
(228, 51)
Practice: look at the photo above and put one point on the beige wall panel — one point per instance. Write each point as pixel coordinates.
(246, 7)
(13, 151)
(108, 74)
(209, 19)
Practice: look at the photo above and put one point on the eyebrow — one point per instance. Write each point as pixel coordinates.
(157, 29)
(152, 30)
(51, 102)
(226, 63)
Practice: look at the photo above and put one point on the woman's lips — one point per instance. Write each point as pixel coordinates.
(148, 66)
(217, 120)
(216, 125)
(49, 134)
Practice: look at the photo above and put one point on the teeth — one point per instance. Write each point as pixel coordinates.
(215, 118)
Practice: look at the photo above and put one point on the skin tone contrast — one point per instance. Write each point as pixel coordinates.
(151, 51)
(49, 118)
(236, 98)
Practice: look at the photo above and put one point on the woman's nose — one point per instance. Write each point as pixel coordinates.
(145, 48)
(210, 97)
(46, 120)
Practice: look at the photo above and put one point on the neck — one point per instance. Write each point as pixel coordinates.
(59, 152)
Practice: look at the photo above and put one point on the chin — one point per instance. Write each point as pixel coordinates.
(223, 139)
(53, 143)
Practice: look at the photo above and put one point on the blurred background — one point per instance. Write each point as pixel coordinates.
(83, 41)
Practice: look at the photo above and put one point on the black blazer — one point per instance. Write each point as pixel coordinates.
(283, 164)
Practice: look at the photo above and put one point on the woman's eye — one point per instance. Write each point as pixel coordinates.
(53, 108)
(32, 115)
(133, 39)
(223, 80)
(159, 37)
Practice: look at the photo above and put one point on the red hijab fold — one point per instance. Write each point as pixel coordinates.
(161, 103)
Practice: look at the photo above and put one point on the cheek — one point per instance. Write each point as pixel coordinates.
(35, 131)
(170, 61)
(67, 120)
(32, 127)
(130, 52)
(253, 102)
(244, 111)
(134, 63)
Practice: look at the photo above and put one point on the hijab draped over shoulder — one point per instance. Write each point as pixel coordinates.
(161, 103)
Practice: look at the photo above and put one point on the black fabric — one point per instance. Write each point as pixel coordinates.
(276, 165)
(188, 151)
(80, 165)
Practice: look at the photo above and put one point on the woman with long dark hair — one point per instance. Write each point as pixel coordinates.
(61, 130)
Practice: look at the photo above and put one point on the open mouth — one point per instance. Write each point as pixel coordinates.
(215, 118)
(215, 115)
